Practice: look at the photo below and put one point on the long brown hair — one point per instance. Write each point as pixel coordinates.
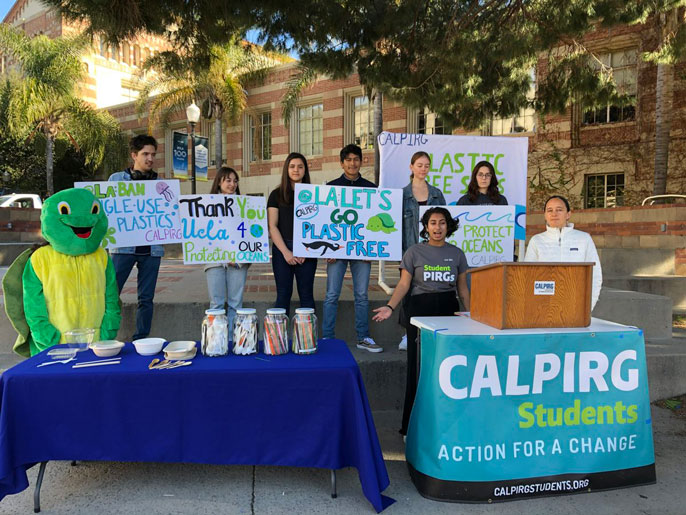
(416, 156)
(473, 188)
(223, 172)
(286, 189)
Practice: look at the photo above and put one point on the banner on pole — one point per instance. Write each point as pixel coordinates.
(201, 157)
(180, 154)
(224, 229)
(139, 212)
(347, 223)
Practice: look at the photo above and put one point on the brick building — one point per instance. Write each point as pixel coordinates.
(598, 157)
(110, 69)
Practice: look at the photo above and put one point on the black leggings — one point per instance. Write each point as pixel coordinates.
(427, 304)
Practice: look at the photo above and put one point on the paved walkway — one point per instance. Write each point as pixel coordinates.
(148, 488)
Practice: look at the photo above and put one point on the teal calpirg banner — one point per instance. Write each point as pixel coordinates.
(503, 416)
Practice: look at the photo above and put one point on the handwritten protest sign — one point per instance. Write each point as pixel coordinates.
(485, 233)
(347, 223)
(139, 212)
(452, 161)
(224, 229)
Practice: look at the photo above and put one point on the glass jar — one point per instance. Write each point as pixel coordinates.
(304, 331)
(245, 332)
(215, 333)
(275, 332)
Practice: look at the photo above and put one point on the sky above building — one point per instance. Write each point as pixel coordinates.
(5, 6)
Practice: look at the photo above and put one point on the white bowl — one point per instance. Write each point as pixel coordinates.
(106, 348)
(148, 346)
(179, 349)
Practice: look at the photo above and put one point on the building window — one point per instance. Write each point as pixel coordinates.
(604, 190)
(261, 137)
(622, 66)
(114, 52)
(429, 123)
(524, 121)
(310, 129)
(136, 55)
(363, 121)
(125, 53)
(103, 48)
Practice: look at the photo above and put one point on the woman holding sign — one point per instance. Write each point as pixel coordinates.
(226, 281)
(483, 188)
(280, 208)
(433, 272)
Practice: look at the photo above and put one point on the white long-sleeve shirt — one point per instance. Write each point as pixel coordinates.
(567, 245)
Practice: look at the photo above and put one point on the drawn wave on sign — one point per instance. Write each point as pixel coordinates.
(490, 217)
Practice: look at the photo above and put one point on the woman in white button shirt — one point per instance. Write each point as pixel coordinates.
(561, 242)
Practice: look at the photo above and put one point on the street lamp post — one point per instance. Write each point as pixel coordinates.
(193, 115)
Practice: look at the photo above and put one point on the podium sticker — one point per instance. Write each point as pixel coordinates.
(544, 287)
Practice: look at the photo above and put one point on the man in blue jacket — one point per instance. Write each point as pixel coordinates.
(351, 162)
(146, 258)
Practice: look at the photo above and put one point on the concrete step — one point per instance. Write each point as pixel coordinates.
(641, 261)
(652, 313)
(182, 321)
(670, 286)
(10, 251)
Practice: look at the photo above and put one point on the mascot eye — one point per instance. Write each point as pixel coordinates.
(96, 207)
(64, 208)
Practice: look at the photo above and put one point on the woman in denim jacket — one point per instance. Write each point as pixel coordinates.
(418, 193)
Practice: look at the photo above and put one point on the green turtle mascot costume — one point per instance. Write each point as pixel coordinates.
(67, 284)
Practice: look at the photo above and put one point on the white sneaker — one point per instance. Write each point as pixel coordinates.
(403, 343)
(369, 344)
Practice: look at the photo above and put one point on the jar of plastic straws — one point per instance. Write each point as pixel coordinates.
(304, 331)
(245, 332)
(275, 332)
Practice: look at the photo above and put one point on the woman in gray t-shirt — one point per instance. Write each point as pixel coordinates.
(433, 272)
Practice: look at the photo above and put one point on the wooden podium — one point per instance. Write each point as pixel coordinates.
(530, 294)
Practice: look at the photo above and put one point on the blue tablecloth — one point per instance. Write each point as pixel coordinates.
(303, 411)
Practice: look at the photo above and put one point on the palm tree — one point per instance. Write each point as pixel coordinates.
(42, 98)
(218, 83)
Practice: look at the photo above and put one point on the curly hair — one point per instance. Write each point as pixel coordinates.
(452, 223)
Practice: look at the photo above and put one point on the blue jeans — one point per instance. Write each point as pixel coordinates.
(225, 285)
(283, 275)
(360, 271)
(148, 267)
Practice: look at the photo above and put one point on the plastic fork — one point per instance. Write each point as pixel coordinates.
(57, 361)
